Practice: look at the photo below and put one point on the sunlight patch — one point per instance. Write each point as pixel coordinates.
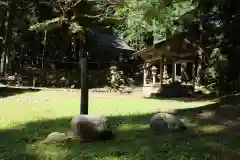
(207, 114)
(212, 128)
(126, 127)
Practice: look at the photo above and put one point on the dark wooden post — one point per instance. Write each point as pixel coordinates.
(173, 71)
(84, 80)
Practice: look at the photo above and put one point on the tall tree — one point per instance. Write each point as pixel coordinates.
(140, 17)
(2, 35)
(78, 16)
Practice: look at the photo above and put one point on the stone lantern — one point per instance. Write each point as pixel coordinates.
(113, 71)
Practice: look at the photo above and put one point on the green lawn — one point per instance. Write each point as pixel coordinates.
(27, 118)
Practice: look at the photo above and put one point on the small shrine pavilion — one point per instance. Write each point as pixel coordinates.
(175, 50)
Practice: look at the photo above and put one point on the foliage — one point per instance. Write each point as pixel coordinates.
(139, 17)
(78, 15)
(212, 25)
(205, 22)
(45, 34)
(220, 40)
(217, 68)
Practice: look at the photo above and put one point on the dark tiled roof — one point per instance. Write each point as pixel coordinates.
(107, 39)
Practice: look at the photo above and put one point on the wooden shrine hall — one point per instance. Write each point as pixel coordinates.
(175, 50)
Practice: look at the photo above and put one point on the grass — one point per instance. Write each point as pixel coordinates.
(27, 118)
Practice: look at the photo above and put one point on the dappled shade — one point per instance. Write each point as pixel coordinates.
(11, 91)
(134, 138)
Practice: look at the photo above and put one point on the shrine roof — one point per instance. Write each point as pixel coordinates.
(175, 48)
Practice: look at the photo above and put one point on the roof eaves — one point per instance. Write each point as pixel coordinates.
(143, 51)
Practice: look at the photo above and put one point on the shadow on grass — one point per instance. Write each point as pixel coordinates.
(219, 123)
(213, 132)
(190, 98)
(226, 109)
(132, 142)
(10, 91)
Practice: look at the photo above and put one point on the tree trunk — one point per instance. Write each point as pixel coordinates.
(200, 73)
(77, 50)
(8, 40)
(2, 35)
(64, 44)
(37, 49)
(44, 48)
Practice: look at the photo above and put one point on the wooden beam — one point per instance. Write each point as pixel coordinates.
(153, 54)
(144, 51)
(181, 61)
(152, 60)
(171, 59)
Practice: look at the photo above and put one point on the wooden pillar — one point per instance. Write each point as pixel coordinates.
(173, 72)
(193, 76)
(83, 55)
(161, 71)
(153, 79)
(154, 73)
(145, 73)
(165, 73)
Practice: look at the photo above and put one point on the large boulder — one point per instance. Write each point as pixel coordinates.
(164, 122)
(91, 128)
